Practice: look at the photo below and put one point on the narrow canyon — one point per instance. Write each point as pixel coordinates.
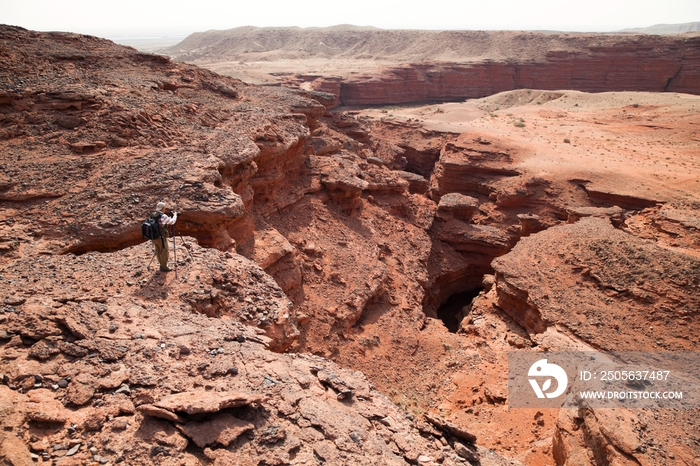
(353, 267)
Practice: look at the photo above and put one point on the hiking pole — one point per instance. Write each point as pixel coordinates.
(175, 252)
(177, 231)
(149, 264)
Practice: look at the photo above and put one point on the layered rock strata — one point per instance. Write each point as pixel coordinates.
(598, 69)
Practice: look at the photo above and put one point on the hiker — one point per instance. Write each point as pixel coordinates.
(161, 244)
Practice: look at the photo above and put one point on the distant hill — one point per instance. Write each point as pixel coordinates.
(366, 43)
(667, 28)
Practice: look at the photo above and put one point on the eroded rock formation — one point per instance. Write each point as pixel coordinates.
(325, 235)
(105, 361)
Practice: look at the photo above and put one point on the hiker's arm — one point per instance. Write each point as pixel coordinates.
(165, 220)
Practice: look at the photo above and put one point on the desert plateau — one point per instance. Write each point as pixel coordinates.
(370, 221)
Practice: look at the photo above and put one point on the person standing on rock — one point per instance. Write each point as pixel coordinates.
(161, 244)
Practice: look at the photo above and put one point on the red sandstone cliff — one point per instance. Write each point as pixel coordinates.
(653, 65)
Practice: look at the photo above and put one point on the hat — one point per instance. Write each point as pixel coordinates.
(160, 205)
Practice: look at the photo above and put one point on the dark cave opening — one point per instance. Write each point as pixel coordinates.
(450, 312)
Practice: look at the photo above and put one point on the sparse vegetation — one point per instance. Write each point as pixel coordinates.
(371, 341)
(520, 123)
(401, 403)
(567, 140)
(408, 404)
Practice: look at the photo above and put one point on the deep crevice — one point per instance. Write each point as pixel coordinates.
(452, 311)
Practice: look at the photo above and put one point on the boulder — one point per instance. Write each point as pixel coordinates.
(206, 402)
(457, 205)
(222, 430)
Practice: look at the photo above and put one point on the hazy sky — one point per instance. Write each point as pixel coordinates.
(137, 17)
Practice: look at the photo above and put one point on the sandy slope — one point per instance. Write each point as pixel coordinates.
(640, 144)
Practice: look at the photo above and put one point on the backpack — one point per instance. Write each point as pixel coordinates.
(150, 229)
